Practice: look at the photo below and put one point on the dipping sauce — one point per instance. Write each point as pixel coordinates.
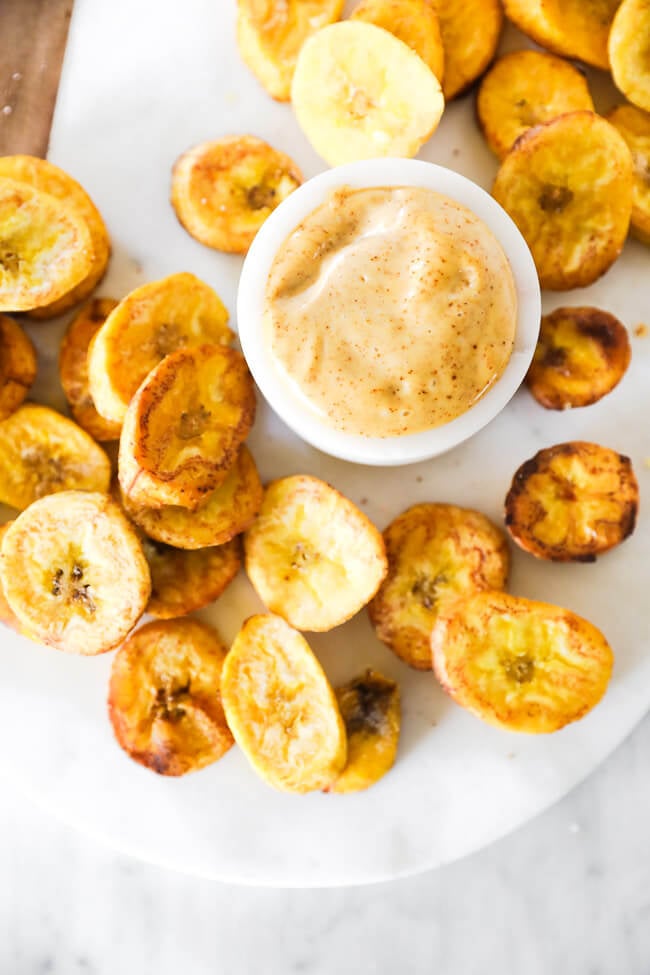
(391, 310)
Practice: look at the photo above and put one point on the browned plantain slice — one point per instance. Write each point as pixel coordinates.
(414, 21)
(17, 365)
(519, 664)
(370, 707)
(470, 31)
(436, 553)
(281, 708)
(42, 452)
(73, 572)
(45, 176)
(184, 426)
(573, 28)
(152, 321)
(73, 369)
(568, 187)
(581, 355)
(527, 88)
(572, 502)
(164, 698)
(225, 513)
(629, 51)
(223, 191)
(182, 581)
(312, 556)
(45, 247)
(634, 126)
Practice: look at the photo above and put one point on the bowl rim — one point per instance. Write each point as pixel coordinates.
(290, 405)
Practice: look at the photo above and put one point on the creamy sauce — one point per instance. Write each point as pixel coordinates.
(390, 310)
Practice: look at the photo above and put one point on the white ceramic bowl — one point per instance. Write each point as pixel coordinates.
(294, 409)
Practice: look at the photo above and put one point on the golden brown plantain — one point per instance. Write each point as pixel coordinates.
(629, 51)
(634, 126)
(413, 21)
(17, 365)
(470, 31)
(572, 28)
(183, 581)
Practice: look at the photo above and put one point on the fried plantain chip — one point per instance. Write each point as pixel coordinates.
(184, 426)
(17, 365)
(572, 502)
(223, 191)
(436, 553)
(311, 555)
(581, 355)
(527, 88)
(164, 699)
(7, 615)
(470, 31)
(45, 176)
(73, 572)
(226, 512)
(183, 581)
(414, 21)
(634, 126)
(573, 28)
(42, 452)
(629, 51)
(281, 708)
(152, 321)
(568, 187)
(45, 247)
(519, 664)
(370, 707)
(270, 35)
(73, 369)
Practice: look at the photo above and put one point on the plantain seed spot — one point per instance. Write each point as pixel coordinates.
(555, 199)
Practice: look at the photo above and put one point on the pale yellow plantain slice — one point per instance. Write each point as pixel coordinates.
(581, 355)
(370, 707)
(7, 615)
(572, 502)
(45, 176)
(42, 452)
(281, 708)
(270, 35)
(152, 321)
(634, 126)
(572, 28)
(45, 247)
(73, 369)
(73, 572)
(223, 191)
(17, 365)
(227, 512)
(183, 581)
(360, 93)
(519, 664)
(629, 51)
(470, 31)
(184, 427)
(413, 21)
(164, 698)
(527, 88)
(311, 555)
(436, 553)
(568, 187)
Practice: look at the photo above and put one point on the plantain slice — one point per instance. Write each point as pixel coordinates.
(183, 581)
(42, 452)
(223, 191)
(45, 247)
(311, 555)
(634, 126)
(413, 21)
(281, 708)
(17, 365)
(370, 707)
(581, 355)
(270, 35)
(164, 699)
(572, 502)
(7, 615)
(436, 553)
(527, 88)
(629, 47)
(184, 426)
(470, 31)
(572, 28)
(45, 176)
(152, 321)
(227, 512)
(73, 572)
(73, 369)
(568, 187)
